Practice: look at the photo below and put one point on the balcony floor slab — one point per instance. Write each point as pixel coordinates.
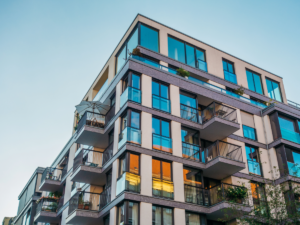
(83, 217)
(50, 185)
(46, 217)
(89, 175)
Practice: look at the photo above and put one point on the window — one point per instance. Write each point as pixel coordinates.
(106, 220)
(111, 137)
(249, 132)
(229, 71)
(162, 216)
(259, 197)
(161, 135)
(188, 107)
(253, 160)
(160, 96)
(190, 144)
(186, 53)
(273, 90)
(129, 163)
(248, 125)
(161, 170)
(192, 219)
(131, 89)
(128, 213)
(192, 177)
(254, 82)
(293, 161)
(162, 185)
(289, 129)
(149, 38)
(130, 119)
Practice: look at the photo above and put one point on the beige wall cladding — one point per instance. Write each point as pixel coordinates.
(176, 138)
(216, 84)
(146, 175)
(178, 181)
(118, 96)
(240, 182)
(146, 91)
(260, 131)
(145, 213)
(179, 216)
(64, 215)
(71, 156)
(68, 189)
(274, 163)
(268, 129)
(239, 118)
(38, 182)
(265, 163)
(247, 119)
(115, 168)
(175, 100)
(146, 130)
(113, 216)
(116, 135)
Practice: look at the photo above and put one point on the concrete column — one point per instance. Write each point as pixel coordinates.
(64, 215)
(146, 91)
(113, 216)
(71, 156)
(145, 213)
(118, 96)
(68, 188)
(146, 175)
(259, 129)
(268, 129)
(179, 216)
(115, 168)
(178, 181)
(163, 42)
(146, 121)
(176, 138)
(116, 135)
(239, 118)
(175, 100)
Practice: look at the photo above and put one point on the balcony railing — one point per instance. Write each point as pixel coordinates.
(254, 167)
(110, 114)
(89, 158)
(130, 94)
(128, 182)
(223, 149)
(162, 143)
(290, 135)
(91, 119)
(202, 65)
(215, 195)
(52, 174)
(162, 188)
(84, 201)
(130, 135)
(189, 113)
(190, 151)
(230, 77)
(218, 110)
(105, 197)
(47, 204)
(160, 103)
(293, 104)
(60, 203)
(157, 65)
(108, 153)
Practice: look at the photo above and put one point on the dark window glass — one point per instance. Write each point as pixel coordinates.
(125, 83)
(113, 100)
(296, 157)
(162, 216)
(165, 128)
(135, 120)
(176, 49)
(200, 55)
(124, 122)
(156, 126)
(189, 136)
(254, 82)
(188, 101)
(273, 90)
(156, 169)
(192, 177)
(160, 90)
(106, 221)
(128, 213)
(192, 219)
(111, 137)
(136, 81)
(155, 88)
(190, 56)
(249, 132)
(149, 38)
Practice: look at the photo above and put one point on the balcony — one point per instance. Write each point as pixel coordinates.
(108, 153)
(162, 143)
(105, 197)
(230, 77)
(130, 94)
(51, 179)
(196, 195)
(128, 182)
(162, 188)
(87, 167)
(222, 159)
(254, 167)
(160, 103)
(129, 135)
(190, 151)
(189, 113)
(46, 210)
(84, 208)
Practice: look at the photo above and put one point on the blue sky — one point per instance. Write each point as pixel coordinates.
(51, 52)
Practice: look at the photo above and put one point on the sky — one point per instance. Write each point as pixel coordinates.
(51, 52)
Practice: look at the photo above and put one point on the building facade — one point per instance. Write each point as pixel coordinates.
(166, 145)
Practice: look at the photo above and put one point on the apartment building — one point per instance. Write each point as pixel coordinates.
(165, 146)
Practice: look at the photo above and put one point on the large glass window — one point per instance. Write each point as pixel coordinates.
(254, 82)
(149, 38)
(192, 219)
(229, 71)
(160, 96)
(161, 170)
(161, 135)
(273, 90)
(129, 163)
(253, 160)
(259, 197)
(249, 132)
(188, 107)
(186, 53)
(128, 213)
(131, 86)
(130, 128)
(190, 143)
(162, 216)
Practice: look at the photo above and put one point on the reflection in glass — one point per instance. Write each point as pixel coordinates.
(273, 90)
(149, 38)
(176, 50)
(121, 59)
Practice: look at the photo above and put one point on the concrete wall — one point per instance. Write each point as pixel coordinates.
(145, 213)
(178, 181)
(146, 122)
(146, 91)
(146, 174)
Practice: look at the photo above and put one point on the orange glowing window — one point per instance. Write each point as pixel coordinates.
(134, 163)
(156, 168)
(253, 190)
(166, 169)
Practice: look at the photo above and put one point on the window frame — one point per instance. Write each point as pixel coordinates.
(273, 81)
(128, 113)
(161, 170)
(153, 28)
(252, 72)
(126, 157)
(161, 213)
(160, 126)
(128, 76)
(254, 133)
(257, 185)
(126, 211)
(160, 83)
(227, 61)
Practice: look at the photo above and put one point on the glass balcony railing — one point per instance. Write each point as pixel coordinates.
(230, 77)
(290, 135)
(128, 182)
(157, 65)
(130, 135)
(163, 188)
(162, 143)
(202, 65)
(294, 169)
(196, 195)
(191, 151)
(130, 94)
(189, 113)
(108, 153)
(160, 103)
(254, 167)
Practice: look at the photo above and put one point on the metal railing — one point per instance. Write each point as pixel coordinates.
(108, 153)
(52, 174)
(110, 114)
(60, 203)
(88, 157)
(216, 194)
(105, 197)
(84, 201)
(161, 143)
(162, 188)
(190, 151)
(161, 103)
(47, 204)
(218, 110)
(91, 119)
(293, 104)
(128, 182)
(223, 149)
(230, 77)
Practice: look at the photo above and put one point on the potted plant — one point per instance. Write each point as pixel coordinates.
(53, 206)
(80, 202)
(236, 194)
(182, 72)
(240, 91)
(87, 205)
(136, 51)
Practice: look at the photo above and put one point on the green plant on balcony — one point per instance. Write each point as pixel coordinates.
(232, 194)
(270, 102)
(136, 51)
(183, 73)
(240, 91)
(52, 207)
(86, 205)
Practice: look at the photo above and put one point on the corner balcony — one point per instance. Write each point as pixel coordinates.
(130, 94)
(87, 167)
(129, 135)
(161, 143)
(91, 128)
(46, 210)
(51, 179)
(222, 159)
(219, 121)
(128, 182)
